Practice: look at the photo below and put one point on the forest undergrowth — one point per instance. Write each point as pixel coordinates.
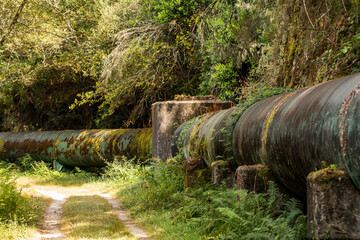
(154, 194)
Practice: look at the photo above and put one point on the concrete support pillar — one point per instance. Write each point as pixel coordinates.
(196, 173)
(333, 206)
(168, 116)
(221, 172)
(253, 178)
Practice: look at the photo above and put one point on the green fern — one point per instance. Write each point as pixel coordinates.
(237, 214)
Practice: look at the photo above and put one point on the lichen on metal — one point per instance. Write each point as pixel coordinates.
(292, 133)
(82, 148)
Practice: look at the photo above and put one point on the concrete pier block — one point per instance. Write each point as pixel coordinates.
(221, 172)
(333, 206)
(253, 178)
(196, 173)
(168, 116)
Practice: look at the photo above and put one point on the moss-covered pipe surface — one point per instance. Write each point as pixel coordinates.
(208, 136)
(292, 133)
(82, 148)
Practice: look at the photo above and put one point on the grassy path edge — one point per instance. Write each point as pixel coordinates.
(123, 216)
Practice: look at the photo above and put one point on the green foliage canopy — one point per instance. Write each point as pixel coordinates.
(111, 59)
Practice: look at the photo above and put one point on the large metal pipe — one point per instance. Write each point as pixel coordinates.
(208, 136)
(292, 133)
(82, 148)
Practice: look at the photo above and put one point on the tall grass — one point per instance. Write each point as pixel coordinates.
(42, 173)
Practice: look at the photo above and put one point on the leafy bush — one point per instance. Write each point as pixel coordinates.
(121, 169)
(13, 206)
(164, 180)
(167, 10)
(223, 83)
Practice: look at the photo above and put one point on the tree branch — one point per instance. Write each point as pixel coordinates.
(307, 14)
(13, 22)
(68, 24)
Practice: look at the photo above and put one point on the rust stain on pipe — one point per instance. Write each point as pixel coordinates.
(82, 148)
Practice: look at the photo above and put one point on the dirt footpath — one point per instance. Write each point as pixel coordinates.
(50, 227)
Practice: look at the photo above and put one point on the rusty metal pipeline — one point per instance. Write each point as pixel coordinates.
(292, 133)
(82, 148)
(208, 137)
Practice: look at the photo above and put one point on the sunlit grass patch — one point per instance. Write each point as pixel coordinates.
(92, 217)
(16, 231)
(42, 173)
(13, 229)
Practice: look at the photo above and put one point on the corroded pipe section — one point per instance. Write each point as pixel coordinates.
(208, 136)
(82, 148)
(303, 131)
(292, 133)
(38, 145)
